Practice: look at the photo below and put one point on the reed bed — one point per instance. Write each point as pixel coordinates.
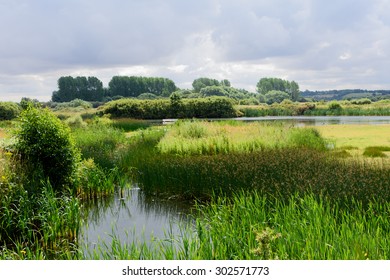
(279, 172)
(209, 138)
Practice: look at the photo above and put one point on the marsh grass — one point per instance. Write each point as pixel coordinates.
(99, 142)
(279, 172)
(130, 124)
(210, 138)
(44, 224)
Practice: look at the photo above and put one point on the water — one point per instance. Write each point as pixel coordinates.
(308, 120)
(130, 217)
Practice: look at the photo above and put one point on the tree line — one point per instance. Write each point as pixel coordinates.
(269, 90)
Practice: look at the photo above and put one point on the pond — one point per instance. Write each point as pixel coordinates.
(130, 216)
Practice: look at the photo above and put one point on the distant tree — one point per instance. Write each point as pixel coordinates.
(213, 91)
(266, 85)
(225, 83)
(276, 96)
(133, 86)
(26, 101)
(200, 83)
(85, 88)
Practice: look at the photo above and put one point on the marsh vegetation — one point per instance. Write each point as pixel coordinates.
(256, 190)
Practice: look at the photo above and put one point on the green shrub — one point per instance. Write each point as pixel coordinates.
(46, 148)
(334, 105)
(212, 107)
(9, 110)
(361, 101)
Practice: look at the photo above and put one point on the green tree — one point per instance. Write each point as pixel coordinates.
(266, 85)
(133, 86)
(85, 88)
(276, 96)
(200, 83)
(213, 91)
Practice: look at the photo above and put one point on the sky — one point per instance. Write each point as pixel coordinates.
(319, 44)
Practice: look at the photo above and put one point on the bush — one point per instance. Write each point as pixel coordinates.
(361, 101)
(46, 149)
(334, 105)
(9, 110)
(212, 107)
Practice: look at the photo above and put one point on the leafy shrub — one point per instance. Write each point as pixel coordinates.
(361, 101)
(276, 96)
(9, 110)
(46, 148)
(334, 105)
(212, 107)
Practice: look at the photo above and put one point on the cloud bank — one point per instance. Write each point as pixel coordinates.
(321, 45)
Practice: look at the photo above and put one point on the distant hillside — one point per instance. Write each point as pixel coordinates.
(347, 94)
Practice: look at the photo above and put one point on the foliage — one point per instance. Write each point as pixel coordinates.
(334, 105)
(134, 86)
(203, 82)
(25, 102)
(212, 107)
(361, 101)
(266, 85)
(72, 104)
(9, 110)
(85, 88)
(350, 94)
(275, 96)
(46, 149)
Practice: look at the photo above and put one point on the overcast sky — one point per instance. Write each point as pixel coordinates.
(319, 44)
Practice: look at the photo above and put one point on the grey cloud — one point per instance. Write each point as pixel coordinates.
(317, 43)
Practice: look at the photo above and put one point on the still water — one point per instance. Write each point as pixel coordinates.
(134, 217)
(308, 120)
(130, 217)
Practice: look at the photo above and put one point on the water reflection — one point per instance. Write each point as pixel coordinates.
(130, 216)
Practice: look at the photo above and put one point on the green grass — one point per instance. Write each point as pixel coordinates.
(100, 142)
(209, 138)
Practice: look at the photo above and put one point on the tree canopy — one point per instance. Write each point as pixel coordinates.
(85, 88)
(200, 83)
(133, 86)
(266, 85)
